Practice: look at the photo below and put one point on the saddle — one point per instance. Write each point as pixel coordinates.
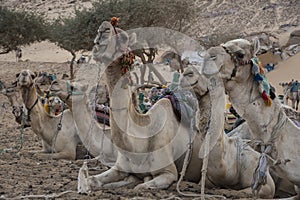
(102, 114)
(184, 105)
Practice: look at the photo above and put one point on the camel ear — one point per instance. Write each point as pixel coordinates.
(35, 73)
(32, 75)
(132, 39)
(234, 50)
(256, 46)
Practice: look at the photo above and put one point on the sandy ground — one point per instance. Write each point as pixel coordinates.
(285, 72)
(23, 175)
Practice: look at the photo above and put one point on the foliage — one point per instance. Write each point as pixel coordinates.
(172, 14)
(19, 28)
(78, 33)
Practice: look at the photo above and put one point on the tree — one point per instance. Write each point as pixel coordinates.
(78, 33)
(18, 28)
(172, 14)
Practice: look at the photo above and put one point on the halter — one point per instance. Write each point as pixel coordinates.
(70, 91)
(237, 62)
(29, 109)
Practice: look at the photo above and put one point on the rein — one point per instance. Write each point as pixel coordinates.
(70, 91)
(237, 62)
(29, 109)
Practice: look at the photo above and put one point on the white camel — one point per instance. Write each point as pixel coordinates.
(94, 136)
(270, 127)
(148, 144)
(231, 162)
(57, 144)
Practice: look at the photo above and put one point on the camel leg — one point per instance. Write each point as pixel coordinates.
(161, 181)
(56, 156)
(110, 176)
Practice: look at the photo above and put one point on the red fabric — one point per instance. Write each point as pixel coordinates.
(265, 96)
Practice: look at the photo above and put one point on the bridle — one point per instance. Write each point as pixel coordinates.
(237, 60)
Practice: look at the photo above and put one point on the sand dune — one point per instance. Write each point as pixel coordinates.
(284, 72)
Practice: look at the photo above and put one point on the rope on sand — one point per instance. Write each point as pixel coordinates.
(50, 196)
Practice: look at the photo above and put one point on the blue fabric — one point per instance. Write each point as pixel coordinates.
(295, 87)
(258, 77)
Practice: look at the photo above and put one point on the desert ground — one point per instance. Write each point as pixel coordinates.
(25, 177)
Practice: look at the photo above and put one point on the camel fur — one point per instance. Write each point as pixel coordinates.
(56, 144)
(271, 129)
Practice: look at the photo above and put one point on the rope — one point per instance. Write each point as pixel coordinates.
(187, 158)
(59, 127)
(204, 165)
(50, 196)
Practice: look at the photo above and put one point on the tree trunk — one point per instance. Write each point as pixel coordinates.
(71, 65)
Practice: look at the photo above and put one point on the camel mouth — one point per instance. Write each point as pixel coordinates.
(193, 84)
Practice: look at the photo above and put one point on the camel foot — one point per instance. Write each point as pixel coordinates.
(83, 175)
(56, 156)
(130, 180)
(159, 182)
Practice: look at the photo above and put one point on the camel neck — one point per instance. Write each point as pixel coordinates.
(30, 97)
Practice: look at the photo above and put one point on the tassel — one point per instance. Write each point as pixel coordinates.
(267, 99)
(83, 175)
(258, 77)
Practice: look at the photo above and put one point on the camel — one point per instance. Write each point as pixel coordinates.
(231, 161)
(293, 96)
(148, 144)
(269, 126)
(18, 54)
(151, 145)
(98, 139)
(58, 133)
(18, 110)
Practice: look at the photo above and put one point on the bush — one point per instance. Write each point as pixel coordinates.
(19, 28)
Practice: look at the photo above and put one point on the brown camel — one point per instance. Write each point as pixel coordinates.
(58, 133)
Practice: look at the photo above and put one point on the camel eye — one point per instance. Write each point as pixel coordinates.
(213, 57)
(190, 74)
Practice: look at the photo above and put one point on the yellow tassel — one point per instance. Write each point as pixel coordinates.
(268, 103)
(46, 107)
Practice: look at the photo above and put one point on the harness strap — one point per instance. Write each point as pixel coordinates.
(29, 109)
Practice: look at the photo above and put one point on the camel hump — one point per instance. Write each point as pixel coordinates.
(153, 122)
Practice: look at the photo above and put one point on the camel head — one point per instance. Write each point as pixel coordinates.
(60, 89)
(231, 59)
(25, 79)
(193, 79)
(110, 43)
(67, 91)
